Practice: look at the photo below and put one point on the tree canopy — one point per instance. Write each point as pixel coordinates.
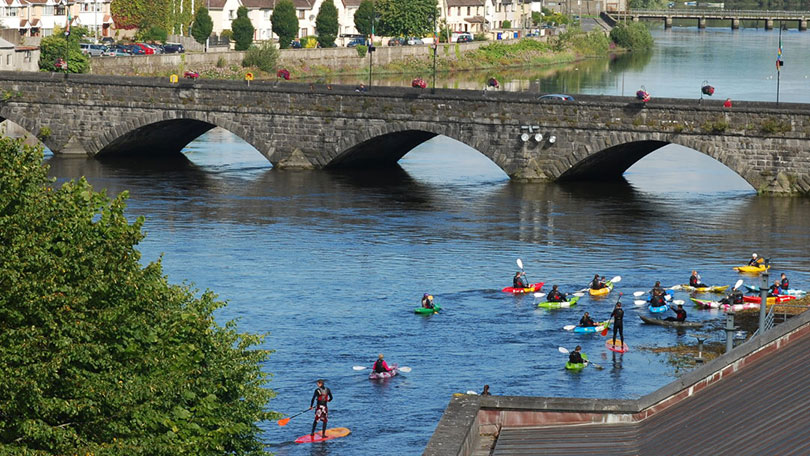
(99, 354)
(363, 16)
(53, 48)
(203, 25)
(242, 29)
(406, 17)
(326, 24)
(285, 22)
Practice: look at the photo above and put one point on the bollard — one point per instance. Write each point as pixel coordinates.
(700, 340)
(763, 294)
(730, 329)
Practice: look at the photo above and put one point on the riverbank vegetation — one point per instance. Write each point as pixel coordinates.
(634, 36)
(99, 354)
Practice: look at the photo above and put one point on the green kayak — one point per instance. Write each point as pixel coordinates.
(559, 305)
(577, 366)
(424, 311)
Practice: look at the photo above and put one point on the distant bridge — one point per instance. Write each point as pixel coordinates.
(315, 127)
(797, 19)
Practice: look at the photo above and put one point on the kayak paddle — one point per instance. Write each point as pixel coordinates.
(539, 295)
(284, 421)
(405, 369)
(520, 265)
(614, 280)
(639, 293)
(738, 284)
(569, 327)
(564, 350)
(639, 302)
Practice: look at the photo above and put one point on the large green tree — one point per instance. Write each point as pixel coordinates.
(203, 25)
(363, 17)
(242, 29)
(100, 354)
(285, 22)
(55, 47)
(406, 17)
(326, 24)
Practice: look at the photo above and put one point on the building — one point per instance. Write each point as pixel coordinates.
(474, 16)
(41, 17)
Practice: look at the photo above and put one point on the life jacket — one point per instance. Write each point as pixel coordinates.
(693, 281)
(775, 290)
(378, 366)
(516, 282)
(323, 395)
(785, 283)
(657, 300)
(555, 296)
(680, 315)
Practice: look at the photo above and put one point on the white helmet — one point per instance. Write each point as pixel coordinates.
(754, 255)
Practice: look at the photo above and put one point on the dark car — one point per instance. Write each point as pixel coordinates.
(356, 42)
(173, 48)
(295, 44)
(556, 96)
(135, 50)
(397, 41)
(464, 39)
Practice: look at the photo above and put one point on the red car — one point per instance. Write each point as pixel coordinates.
(146, 49)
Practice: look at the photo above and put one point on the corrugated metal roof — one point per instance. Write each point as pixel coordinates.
(762, 409)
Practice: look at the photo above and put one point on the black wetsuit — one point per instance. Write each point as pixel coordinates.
(618, 323)
(597, 284)
(785, 285)
(586, 321)
(657, 300)
(736, 297)
(694, 282)
(754, 262)
(575, 358)
(555, 296)
(680, 315)
(520, 282)
(322, 395)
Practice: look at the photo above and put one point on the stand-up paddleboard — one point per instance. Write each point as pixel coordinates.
(333, 433)
(616, 345)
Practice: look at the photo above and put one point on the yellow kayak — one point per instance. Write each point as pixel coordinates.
(601, 291)
(752, 269)
(714, 289)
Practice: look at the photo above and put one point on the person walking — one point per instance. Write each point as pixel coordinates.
(323, 396)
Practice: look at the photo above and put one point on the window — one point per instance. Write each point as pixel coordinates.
(302, 14)
(12, 11)
(60, 10)
(302, 33)
(48, 10)
(232, 14)
(27, 57)
(468, 11)
(8, 59)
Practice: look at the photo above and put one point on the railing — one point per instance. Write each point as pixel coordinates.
(742, 14)
(770, 317)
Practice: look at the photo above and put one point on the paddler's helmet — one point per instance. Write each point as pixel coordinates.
(754, 255)
(425, 295)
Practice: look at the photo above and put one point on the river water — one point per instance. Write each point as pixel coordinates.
(332, 264)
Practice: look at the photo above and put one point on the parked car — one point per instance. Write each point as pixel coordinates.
(135, 49)
(356, 42)
(146, 49)
(108, 51)
(397, 41)
(93, 50)
(464, 38)
(156, 49)
(556, 96)
(173, 48)
(413, 41)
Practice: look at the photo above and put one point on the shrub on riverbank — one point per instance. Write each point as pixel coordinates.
(100, 354)
(634, 36)
(263, 57)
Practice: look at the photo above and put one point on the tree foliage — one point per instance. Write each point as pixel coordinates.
(203, 25)
(132, 14)
(635, 36)
(326, 24)
(54, 47)
(285, 22)
(153, 33)
(406, 17)
(263, 57)
(363, 17)
(242, 29)
(99, 354)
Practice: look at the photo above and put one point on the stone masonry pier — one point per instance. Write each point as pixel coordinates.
(305, 126)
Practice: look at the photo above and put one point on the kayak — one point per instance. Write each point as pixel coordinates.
(590, 329)
(712, 289)
(752, 269)
(333, 433)
(659, 309)
(789, 292)
(425, 311)
(577, 366)
(616, 346)
(724, 307)
(531, 289)
(559, 305)
(771, 300)
(601, 291)
(384, 375)
(674, 324)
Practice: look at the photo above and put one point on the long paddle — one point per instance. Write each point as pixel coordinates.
(405, 369)
(284, 421)
(520, 265)
(605, 331)
(565, 351)
(614, 280)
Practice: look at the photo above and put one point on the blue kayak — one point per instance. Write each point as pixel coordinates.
(590, 329)
(659, 309)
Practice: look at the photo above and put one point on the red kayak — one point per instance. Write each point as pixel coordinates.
(530, 289)
(771, 300)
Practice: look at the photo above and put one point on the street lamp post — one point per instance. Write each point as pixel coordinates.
(435, 50)
(95, 17)
(371, 47)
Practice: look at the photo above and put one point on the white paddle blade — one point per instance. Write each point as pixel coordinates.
(539, 295)
(520, 263)
(667, 297)
(359, 368)
(676, 287)
(569, 327)
(616, 279)
(639, 293)
(639, 302)
(405, 369)
(738, 284)
(563, 350)
(578, 294)
(678, 302)
(472, 393)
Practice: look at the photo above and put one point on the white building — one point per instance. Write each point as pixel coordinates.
(40, 17)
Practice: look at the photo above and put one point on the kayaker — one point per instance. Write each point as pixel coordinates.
(520, 281)
(380, 365)
(785, 283)
(618, 321)
(755, 260)
(576, 356)
(680, 314)
(657, 293)
(735, 297)
(598, 283)
(486, 391)
(586, 320)
(694, 280)
(322, 395)
(427, 301)
(554, 295)
(775, 289)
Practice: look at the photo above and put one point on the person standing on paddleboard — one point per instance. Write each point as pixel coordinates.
(618, 322)
(322, 395)
(520, 280)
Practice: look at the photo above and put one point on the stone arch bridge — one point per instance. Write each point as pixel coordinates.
(304, 126)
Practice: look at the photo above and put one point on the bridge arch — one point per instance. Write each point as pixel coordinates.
(385, 144)
(610, 163)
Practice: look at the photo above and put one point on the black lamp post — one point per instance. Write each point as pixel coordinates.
(371, 47)
(435, 51)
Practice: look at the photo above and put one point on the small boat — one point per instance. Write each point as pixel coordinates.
(724, 307)
(384, 375)
(712, 289)
(577, 366)
(771, 300)
(590, 329)
(425, 311)
(530, 289)
(789, 292)
(752, 269)
(559, 305)
(674, 324)
(659, 309)
(601, 291)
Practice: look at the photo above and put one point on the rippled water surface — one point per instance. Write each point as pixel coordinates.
(331, 265)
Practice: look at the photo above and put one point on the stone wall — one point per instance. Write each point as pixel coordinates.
(304, 126)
